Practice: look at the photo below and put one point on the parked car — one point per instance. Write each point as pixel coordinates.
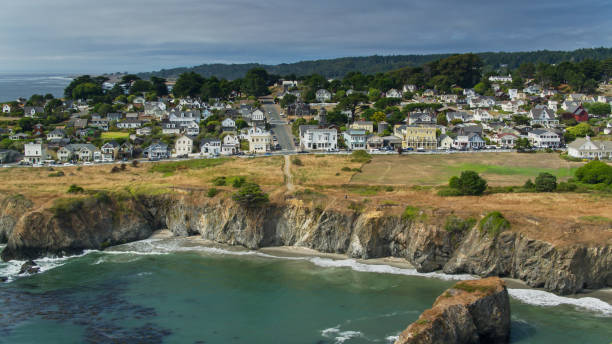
(88, 163)
(68, 164)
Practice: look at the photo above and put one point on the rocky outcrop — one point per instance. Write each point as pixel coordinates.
(29, 267)
(11, 209)
(424, 242)
(76, 224)
(469, 312)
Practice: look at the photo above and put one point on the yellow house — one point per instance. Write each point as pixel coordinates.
(363, 125)
(417, 136)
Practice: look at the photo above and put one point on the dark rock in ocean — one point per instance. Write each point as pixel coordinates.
(29, 267)
(3, 279)
(470, 312)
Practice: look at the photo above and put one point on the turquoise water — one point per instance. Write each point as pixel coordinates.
(169, 293)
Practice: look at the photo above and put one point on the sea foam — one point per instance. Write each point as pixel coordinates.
(546, 299)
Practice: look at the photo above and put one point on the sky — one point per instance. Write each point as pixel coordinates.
(97, 36)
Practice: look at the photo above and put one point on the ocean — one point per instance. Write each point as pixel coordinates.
(173, 291)
(13, 86)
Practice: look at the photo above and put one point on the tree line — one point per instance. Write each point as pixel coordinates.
(340, 67)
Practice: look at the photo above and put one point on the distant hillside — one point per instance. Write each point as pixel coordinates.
(336, 68)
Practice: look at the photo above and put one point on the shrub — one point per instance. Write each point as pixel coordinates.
(389, 188)
(346, 169)
(595, 172)
(493, 224)
(411, 213)
(449, 192)
(135, 163)
(545, 182)
(361, 156)
(115, 169)
(529, 185)
(123, 167)
(297, 161)
(469, 183)
(455, 224)
(236, 181)
(219, 181)
(212, 192)
(358, 170)
(57, 174)
(566, 187)
(75, 189)
(356, 207)
(250, 195)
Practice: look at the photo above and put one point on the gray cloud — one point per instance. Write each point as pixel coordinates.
(140, 35)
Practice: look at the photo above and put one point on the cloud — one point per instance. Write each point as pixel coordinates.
(141, 35)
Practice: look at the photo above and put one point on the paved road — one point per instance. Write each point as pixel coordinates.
(282, 130)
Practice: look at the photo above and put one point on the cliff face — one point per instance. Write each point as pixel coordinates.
(469, 312)
(70, 228)
(425, 244)
(11, 210)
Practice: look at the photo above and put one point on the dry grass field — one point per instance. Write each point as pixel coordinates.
(386, 185)
(41, 186)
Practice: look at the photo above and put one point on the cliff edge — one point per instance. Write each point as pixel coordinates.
(469, 312)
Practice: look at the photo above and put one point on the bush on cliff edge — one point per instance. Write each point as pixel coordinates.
(250, 195)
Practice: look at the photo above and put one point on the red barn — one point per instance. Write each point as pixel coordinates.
(580, 114)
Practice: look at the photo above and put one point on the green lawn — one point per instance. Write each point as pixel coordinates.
(510, 170)
(113, 135)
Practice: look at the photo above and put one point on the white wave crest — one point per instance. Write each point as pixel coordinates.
(391, 339)
(11, 268)
(384, 269)
(340, 336)
(546, 299)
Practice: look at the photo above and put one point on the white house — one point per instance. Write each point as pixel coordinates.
(183, 146)
(323, 95)
(409, 88)
(145, 131)
(445, 142)
(543, 116)
(505, 140)
(587, 149)
(543, 138)
(56, 134)
(319, 139)
(393, 93)
(170, 128)
(259, 140)
(482, 115)
(34, 152)
(191, 129)
(210, 147)
(513, 93)
(31, 111)
(228, 124)
(109, 151)
(471, 141)
(355, 139)
(6, 108)
(129, 123)
(500, 78)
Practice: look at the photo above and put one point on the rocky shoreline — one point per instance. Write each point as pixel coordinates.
(99, 222)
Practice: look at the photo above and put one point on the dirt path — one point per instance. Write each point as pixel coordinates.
(287, 171)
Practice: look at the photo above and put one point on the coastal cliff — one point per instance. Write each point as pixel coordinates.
(425, 242)
(469, 312)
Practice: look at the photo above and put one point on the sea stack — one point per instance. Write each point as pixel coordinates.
(470, 312)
